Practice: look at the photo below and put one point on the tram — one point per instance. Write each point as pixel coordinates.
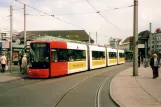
(57, 58)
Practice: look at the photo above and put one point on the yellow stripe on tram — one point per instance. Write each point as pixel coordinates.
(122, 60)
(112, 61)
(76, 65)
(98, 62)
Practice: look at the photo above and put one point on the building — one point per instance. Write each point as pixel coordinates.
(127, 45)
(76, 35)
(143, 46)
(114, 42)
(5, 34)
(156, 42)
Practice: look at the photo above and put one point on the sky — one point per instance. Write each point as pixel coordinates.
(116, 23)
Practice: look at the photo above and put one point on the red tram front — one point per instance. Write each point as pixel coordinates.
(39, 65)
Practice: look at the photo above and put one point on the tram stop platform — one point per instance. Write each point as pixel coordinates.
(8, 76)
(136, 91)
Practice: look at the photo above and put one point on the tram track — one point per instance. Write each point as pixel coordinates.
(98, 92)
(76, 86)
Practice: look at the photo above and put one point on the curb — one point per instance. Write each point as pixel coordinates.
(19, 78)
(112, 98)
(111, 93)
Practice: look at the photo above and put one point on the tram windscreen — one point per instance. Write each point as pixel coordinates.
(39, 55)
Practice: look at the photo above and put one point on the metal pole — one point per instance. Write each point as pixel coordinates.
(146, 54)
(11, 33)
(135, 40)
(150, 39)
(96, 37)
(117, 43)
(89, 39)
(24, 25)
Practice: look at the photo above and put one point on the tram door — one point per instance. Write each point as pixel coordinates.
(57, 67)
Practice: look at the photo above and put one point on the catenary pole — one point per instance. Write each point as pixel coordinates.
(135, 39)
(11, 33)
(150, 27)
(89, 39)
(25, 25)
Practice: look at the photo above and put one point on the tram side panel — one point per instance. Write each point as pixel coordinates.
(97, 57)
(121, 56)
(69, 60)
(58, 62)
(78, 57)
(111, 57)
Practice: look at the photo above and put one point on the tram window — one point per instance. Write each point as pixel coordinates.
(39, 55)
(122, 55)
(54, 54)
(63, 55)
(112, 55)
(76, 55)
(98, 55)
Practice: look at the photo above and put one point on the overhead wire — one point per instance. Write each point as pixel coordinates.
(87, 12)
(92, 6)
(18, 9)
(97, 11)
(108, 21)
(5, 16)
(117, 8)
(50, 15)
(35, 15)
(101, 14)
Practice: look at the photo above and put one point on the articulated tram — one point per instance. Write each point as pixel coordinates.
(57, 58)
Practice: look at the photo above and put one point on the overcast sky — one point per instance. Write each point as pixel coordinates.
(149, 11)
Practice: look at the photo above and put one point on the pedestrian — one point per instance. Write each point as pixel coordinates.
(24, 64)
(138, 60)
(142, 59)
(20, 63)
(155, 64)
(3, 62)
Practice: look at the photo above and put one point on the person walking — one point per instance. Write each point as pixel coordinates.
(3, 62)
(142, 59)
(138, 60)
(155, 64)
(20, 63)
(24, 64)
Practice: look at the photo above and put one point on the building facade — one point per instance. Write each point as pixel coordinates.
(156, 42)
(114, 42)
(5, 34)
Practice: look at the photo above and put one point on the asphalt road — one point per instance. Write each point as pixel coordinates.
(86, 89)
